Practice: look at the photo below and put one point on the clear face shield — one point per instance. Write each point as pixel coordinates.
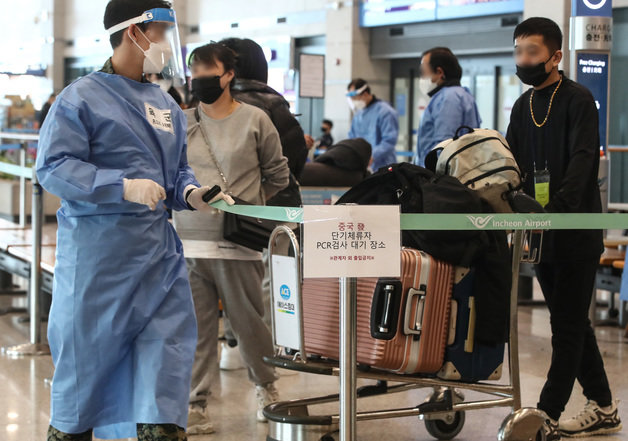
(355, 104)
(164, 53)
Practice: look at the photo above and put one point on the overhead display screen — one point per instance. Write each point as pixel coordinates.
(391, 12)
(387, 12)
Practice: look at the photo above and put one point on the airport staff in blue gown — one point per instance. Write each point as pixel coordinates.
(375, 121)
(451, 105)
(122, 330)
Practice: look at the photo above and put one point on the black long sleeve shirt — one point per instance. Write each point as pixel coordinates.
(568, 145)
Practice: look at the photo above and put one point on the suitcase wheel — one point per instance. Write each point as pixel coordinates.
(445, 430)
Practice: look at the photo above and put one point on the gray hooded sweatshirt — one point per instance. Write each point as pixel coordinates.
(248, 150)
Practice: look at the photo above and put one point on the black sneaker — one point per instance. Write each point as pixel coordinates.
(592, 420)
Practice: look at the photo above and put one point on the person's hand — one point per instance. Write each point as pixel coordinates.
(143, 191)
(309, 141)
(195, 199)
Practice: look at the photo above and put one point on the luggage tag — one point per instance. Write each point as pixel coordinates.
(542, 186)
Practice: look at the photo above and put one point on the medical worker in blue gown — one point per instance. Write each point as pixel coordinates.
(122, 329)
(375, 121)
(451, 105)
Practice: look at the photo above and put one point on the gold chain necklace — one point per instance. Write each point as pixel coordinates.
(549, 109)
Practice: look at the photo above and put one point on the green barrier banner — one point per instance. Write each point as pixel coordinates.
(282, 214)
(456, 222)
(587, 221)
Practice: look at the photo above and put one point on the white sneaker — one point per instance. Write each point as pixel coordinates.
(199, 422)
(230, 358)
(265, 395)
(592, 420)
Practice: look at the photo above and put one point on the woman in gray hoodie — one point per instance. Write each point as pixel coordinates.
(235, 144)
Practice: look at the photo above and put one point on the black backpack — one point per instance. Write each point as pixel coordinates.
(418, 190)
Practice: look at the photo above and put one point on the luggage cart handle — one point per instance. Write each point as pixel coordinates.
(272, 246)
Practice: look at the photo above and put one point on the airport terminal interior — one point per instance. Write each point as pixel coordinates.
(147, 293)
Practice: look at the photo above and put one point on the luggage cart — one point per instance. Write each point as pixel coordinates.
(443, 413)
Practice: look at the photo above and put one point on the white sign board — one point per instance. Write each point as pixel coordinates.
(285, 302)
(312, 76)
(351, 241)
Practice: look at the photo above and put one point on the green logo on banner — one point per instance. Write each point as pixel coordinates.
(479, 221)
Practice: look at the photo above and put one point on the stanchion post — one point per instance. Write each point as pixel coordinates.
(35, 281)
(513, 345)
(348, 350)
(35, 347)
(22, 214)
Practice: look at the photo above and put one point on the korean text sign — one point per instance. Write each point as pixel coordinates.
(351, 241)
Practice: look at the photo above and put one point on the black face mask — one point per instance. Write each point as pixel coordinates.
(207, 89)
(323, 129)
(534, 75)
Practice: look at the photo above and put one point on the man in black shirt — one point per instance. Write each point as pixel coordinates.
(554, 136)
(326, 140)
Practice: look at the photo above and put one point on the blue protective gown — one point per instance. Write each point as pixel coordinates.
(449, 108)
(379, 125)
(122, 328)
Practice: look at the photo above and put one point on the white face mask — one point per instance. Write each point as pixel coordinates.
(426, 85)
(157, 55)
(359, 105)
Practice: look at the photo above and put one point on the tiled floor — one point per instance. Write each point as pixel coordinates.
(24, 395)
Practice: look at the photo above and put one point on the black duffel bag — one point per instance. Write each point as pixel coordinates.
(418, 190)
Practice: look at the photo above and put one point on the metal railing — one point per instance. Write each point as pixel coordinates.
(35, 346)
(616, 206)
(20, 170)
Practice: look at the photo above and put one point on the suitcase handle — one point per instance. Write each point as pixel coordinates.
(384, 325)
(414, 325)
(470, 340)
(385, 309)
(453, 320)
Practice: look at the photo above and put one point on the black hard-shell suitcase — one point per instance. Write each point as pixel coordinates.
(466, 359)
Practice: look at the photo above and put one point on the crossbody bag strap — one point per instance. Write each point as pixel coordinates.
(211, 152)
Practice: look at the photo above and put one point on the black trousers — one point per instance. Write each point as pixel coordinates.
(568, 288)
